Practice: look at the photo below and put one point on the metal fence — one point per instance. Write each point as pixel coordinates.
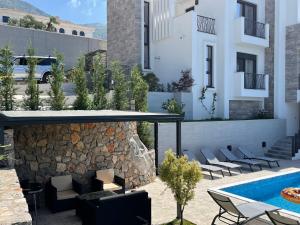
(254, 81)
(206, 24)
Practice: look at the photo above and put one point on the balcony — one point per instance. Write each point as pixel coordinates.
(251, 85)
(206, 25)
(251, 32)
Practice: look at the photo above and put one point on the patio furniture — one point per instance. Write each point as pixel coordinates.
(107, 180)
(211, 159)
(191, 156)
(238, 214)
(249, 155)
(61, 193)
(124, 209)
(80, 205)
(232, 158)
(278, 219)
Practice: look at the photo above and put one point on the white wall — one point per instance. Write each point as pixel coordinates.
(195, 135)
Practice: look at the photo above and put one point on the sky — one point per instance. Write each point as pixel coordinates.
(77, 11)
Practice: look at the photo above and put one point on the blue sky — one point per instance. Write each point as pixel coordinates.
(77, 11)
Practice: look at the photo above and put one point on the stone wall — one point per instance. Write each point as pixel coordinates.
(124, 29)
(242, 110)
(13, 206)
(43, 151)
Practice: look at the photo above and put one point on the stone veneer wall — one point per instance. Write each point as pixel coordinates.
(43, 151)
(241, 110)
(269, 54)
(124, 28)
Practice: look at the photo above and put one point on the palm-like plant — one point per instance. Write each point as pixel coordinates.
(50, 25)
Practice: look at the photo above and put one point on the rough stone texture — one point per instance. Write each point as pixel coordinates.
(241, 110)
(124, 40)
(292, 62)
(13, 206)
(8, 151)
(43, 151)
(269, 55)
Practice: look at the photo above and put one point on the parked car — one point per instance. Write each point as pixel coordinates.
(43, 68)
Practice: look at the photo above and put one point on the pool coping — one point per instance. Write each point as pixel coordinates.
(218, 189)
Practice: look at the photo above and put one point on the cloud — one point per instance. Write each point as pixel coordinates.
(74, 3)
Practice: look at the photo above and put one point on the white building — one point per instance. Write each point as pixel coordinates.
(234, 48)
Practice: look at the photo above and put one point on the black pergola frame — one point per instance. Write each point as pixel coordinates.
(19, 118)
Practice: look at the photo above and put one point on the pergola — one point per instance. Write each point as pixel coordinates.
(18, 118)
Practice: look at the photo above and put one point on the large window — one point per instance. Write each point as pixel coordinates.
(74, 32)
(246, 63)
(82, 33)
(5, 19)
(249, 11)
(146, 35)
(209, 66)
(61, 30)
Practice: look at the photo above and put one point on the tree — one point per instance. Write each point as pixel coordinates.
(32, 100)
(139, 90)
(7, 89)
(185, 82)
(120, 96)
(82, 101)
(13, 22)
(152, 81)
(99, 101)
(181, 176)
(29, 21)
(57, 97)
(172, 106)
(50, 25)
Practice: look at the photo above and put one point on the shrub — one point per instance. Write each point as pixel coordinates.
(57, 97)
(32, 100)
(98, 77)
(152, 81)
(181, 176)
(120, 96)
(82, 101)
(7, 89)
(172, 106)
(185, 82)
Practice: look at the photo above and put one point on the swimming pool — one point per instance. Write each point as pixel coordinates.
(268, 190)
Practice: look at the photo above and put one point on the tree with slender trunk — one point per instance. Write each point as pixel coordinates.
(51, 24)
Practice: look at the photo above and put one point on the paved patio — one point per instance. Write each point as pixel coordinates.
(200, 211)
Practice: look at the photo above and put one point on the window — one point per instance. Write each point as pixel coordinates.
(249, 11)
(5, 19)
(246, 63)
(61, 30)
(82, 33)
(146, 35)
(20, 61)
(74, 32)
(209, 66)
(46, 61)
(190, 9)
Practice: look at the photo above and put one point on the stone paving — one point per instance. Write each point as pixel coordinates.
(201, 210)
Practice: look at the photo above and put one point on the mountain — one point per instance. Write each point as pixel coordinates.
(21, 5)
(101, 30)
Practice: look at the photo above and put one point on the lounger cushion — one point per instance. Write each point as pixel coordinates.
(62, 195)
(107, 176)
(62, 183)
(111, 187)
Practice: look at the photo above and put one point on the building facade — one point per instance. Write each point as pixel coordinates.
(64, 27)
(242, 50)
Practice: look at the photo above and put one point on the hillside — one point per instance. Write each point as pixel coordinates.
(21, 5)
(101, 30)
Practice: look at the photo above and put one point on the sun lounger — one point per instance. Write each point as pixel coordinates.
(278, 219)
(211, 159)
(232, 158)
(249, 155)
(238, 214)
(191, 156)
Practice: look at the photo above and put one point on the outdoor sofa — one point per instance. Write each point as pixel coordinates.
(124, 209)
(61, 193)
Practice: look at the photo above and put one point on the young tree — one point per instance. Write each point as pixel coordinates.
(139, 89)
(7, 89)
(120, 97)
(181, 176)
(32, 100)
(50, 25)
(57, 97)
(99, 101)
(82, 101)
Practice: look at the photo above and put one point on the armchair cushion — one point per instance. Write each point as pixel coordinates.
(107, 176)
(111, 187)
(69, 194)
(62, 183)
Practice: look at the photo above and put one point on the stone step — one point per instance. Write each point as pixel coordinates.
(280, 152)
(278, 156)
(278, 148)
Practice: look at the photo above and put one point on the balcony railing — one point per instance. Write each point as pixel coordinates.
(206, 24)
(255, 29)
(254, 81)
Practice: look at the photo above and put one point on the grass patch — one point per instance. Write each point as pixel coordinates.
(177, 222)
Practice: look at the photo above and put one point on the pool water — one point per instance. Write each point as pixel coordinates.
(268, 190)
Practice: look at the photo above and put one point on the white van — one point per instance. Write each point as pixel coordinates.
(42, 72)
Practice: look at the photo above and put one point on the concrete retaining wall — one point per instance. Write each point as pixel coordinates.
(196, 135)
